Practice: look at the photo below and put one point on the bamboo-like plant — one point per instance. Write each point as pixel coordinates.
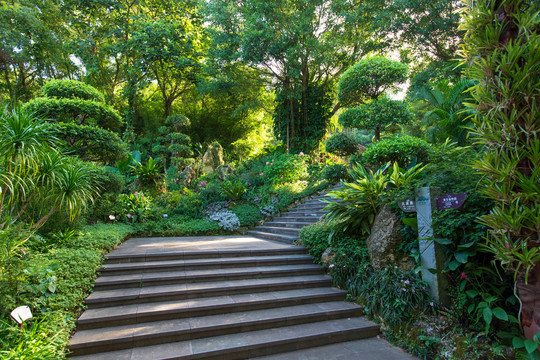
(502, 52)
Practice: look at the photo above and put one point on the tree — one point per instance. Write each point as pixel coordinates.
(32, 48)
(365, 85)
(81, 119)
(172, 143)
(300, 46)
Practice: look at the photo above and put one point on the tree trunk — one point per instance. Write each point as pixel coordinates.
(377, 133)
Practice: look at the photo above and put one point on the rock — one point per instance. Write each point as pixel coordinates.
(327, 258)
(189, 175)
(212, 158)
(224, 171)
(384, 239)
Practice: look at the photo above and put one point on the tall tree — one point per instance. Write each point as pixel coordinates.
(32, 36)
(299, 45)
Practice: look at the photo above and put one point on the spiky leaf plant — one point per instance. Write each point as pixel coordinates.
(502, 52)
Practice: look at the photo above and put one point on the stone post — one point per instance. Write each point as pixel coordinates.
(431, 253)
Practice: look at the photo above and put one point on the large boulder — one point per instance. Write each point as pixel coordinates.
(384, 239)
(224, 171)
(212, 158)
(189, 175)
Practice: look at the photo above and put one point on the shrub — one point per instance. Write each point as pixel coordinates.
(395, 296)
(180, 202)
(341, 144)
(283, 168)
(71, 89)
(234, 189)
(403, 150)
(111, 180)
(335, 173)
(248, 215)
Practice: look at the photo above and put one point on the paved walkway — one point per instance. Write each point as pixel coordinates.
(221, 297)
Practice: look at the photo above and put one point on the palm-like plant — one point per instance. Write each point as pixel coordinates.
(447, 118)
(33, 170)
(360, 200)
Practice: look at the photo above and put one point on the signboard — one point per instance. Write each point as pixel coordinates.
(408, 205)
(451, 201)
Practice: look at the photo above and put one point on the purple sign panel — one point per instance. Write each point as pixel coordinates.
(451, 201)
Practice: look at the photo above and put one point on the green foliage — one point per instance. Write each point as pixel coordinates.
(71, 89)
(284, 168)
(403, 149)
(308, 119)
(362, 198)
(370, 78)
(36, 341)
(183, 202)
(248, 214)
(341, 144)
(149, 174)
(111, 180)
(91, 143)
(34, 173)
(234, 189)
(447, 118)
(134, 207)
(501, 51)
(172, 143)
(335, 173)
(315, 239)
(395, 296)
(78, 111)
(377, 114)
(174, 226)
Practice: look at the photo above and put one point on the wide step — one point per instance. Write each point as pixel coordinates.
(251, 343)
(159, 332)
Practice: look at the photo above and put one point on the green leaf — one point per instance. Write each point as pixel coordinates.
(517, 343)
(443, 241)
(500, 314)
(453, 265)
(530, 345)
(488, 315)
(471, 293)
(461, 256)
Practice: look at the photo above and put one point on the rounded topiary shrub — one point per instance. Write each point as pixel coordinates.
(402, 149)
(335, 173)
(341, 144)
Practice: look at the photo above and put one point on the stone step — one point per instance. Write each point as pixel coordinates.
(278, 230)
(145, 294)
(365, 349)
(177, 309)
(287, 239)
(303, 214)
(251, 343)
(291, 224)
(304, 219)
(160, 332)
(191, 276)
(217, 263)
(306, 211)
(207, 254)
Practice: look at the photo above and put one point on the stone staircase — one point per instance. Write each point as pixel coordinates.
(287, 226)
(220, 303)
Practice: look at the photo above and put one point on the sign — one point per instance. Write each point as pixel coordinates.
(408, 205)
(21, 314)
(451, 201)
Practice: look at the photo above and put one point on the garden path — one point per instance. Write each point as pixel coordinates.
(221, 297)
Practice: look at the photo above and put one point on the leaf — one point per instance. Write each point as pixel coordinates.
(517, 343)
(443, 241)
(530, 345)
(461, 256)
(500, 314)
(488, 315)
(471, 293)
(453, 265)
(412, 222)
